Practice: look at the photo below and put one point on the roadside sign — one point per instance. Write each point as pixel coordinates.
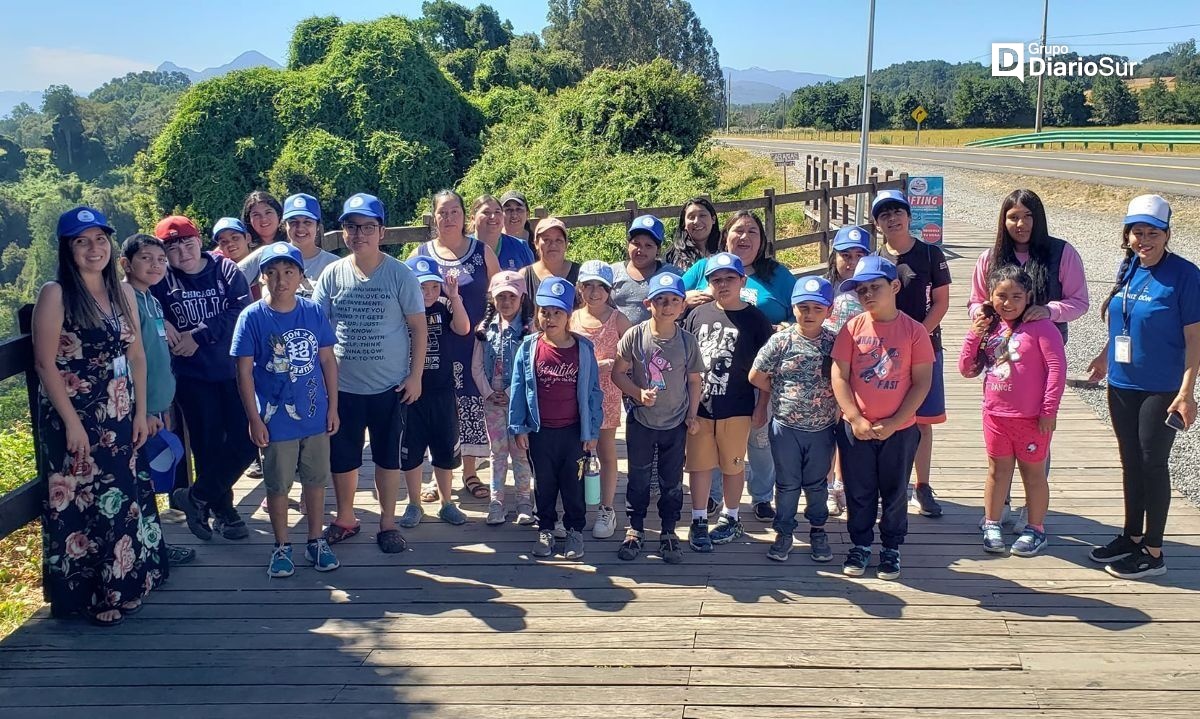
(785, 158)
(926, 195)
(920, 114)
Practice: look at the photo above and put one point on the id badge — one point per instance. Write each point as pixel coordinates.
(1123, 349)
(120, 366)
(160, 326)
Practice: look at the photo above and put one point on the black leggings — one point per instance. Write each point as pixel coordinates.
(1144, 442)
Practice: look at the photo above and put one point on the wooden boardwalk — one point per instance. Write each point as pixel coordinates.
(466, 624)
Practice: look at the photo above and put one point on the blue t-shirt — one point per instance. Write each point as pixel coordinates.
(1162, 300)
(289, 385)
(514, 253)
(771, 295)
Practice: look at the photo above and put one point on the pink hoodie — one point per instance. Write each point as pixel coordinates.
(1071, 307)
(1030, 382)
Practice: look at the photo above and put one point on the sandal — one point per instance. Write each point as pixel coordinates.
(94, 617)
(430, 494)
(131, 608)
(477, 488)
(335, 532)
(390, 541)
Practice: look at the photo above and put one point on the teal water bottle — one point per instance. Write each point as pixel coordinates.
(591, 478)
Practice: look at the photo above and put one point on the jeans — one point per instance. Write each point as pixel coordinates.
(641, 443)
(555, 454)
(1144, 443)
(802, 461)
(219, 434)
(760, 468)
(876, 470)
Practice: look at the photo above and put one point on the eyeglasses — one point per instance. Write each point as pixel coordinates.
(367, 230)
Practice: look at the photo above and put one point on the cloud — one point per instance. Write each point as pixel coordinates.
(39, 67)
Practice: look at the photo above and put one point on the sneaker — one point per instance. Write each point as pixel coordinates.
(172, 516)
(1114, 551)
(560, 530)
(320, 556)
(606, 523)
(889, 564)
(698, 537)
(993, 539)
(1137, 565)
(1029, 543)
(713, 506)
(412, 516)
(255, 471)
(668, 549)
(545, 545)
(923, 498)
(525, 514)
(764, 512)
(856, 561)
(451, 514)
(818, 540)
(281, 562)
(727, 530)
(632, 546)
(496, 514)
(574, 548)
(781, 547)
(196, 513)
(836, 502)
(230, 524)
(177, 555)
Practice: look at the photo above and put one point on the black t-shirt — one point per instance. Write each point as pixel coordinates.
(439, 370)
(729, 342)
(920, 270)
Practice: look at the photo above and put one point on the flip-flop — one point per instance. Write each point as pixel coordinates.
(335, 532)
(478, 489)
(390, 541)
(94, 618)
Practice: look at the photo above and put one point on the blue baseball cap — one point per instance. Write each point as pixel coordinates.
(666, 283)
(648, 224)
(885, 197)
(76, 220)
(362, 204)
(425, 269)
(871, 267)
(1150, 209)
(724, 261)
(279, 251)
(596, 271)
(301, 205)
(851, 236)
(813, 289)
(228, 223)
(164, 451)
(556, 292)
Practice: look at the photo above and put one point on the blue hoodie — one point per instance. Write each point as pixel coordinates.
(207, 304)
(523, 415)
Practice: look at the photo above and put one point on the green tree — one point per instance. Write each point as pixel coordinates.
(71, 149)
(485, 29)
(460, 66)
(991, 102)
(1158, 104)
(1113, 102)
(492, 70)
(1064, 102)
(549, 70)
(12, 160)
(311, 40)
(443, 25)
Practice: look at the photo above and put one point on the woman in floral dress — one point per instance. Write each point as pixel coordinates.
(103, 548)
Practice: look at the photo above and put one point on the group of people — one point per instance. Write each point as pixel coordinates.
(488, 342)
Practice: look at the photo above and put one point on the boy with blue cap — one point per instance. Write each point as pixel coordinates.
(793, 367)
(882, 369)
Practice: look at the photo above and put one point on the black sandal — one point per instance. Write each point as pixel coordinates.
(390, 541)
(478, 489)
(94, 617)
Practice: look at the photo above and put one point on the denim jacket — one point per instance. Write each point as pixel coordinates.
(523, 416)
(502, 342)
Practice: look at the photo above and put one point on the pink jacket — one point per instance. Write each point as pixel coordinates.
(1072, 306)
(1030, 381)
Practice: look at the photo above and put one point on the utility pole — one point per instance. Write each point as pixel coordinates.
(864, 140)
(728, 98)
(1037, 118)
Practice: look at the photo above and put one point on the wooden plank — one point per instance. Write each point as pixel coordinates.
(21, 506)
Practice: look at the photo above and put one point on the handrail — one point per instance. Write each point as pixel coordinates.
(23, 504)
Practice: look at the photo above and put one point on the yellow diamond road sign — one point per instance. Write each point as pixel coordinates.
(919, 114)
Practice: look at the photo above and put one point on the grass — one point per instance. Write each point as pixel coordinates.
(20, 552)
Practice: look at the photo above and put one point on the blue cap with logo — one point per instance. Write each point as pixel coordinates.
(596, 271)
(648, 224)
(228, 223)
(302, 205)
(76, 220)
(425, 269)
(724, 261)
(164, 451)
(362, 204)
(280, 251)
(666, 283)
(813, 289)
(885, 197)
(851, 236)
(871, 267)
(556, 292)
(1150, 209)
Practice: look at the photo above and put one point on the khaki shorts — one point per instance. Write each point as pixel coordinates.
(718, 443)
(307, 458)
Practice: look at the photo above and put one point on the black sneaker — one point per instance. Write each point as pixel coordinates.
(856, 561)
(195, 511)
(632, 546)
(255, 471)
(727, 530)
(781, 547)
(230, 524)
(1137, 565)
(1114, 551)
(698, 538)
(668, 549)
(889, 564)
(713, 506)
(764, 512)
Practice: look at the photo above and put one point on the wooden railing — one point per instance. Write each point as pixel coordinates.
(23, 504)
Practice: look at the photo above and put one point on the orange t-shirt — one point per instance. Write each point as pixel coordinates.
(881, 357)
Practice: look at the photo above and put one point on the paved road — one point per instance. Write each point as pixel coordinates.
(1172, 174)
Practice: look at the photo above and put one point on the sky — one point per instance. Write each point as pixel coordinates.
(817, 36)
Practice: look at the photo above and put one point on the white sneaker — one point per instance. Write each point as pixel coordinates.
(525, 514)
(836, 504)
(560, 530)
(496, 513)
(606, 523)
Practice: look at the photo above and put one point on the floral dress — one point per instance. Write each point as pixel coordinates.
(103, 544)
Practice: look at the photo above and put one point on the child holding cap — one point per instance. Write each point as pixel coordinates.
(793, 367)
(631, 279)
(287, 379)
(556, 412)
(883, 365)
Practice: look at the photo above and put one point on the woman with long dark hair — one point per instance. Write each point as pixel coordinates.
(697, 234)
(263, 216)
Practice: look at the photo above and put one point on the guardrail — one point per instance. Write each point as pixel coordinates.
(1170, 138)
(23, 504)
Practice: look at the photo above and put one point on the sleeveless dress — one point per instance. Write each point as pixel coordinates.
(102, 541)
(471, 271)
(605, 338)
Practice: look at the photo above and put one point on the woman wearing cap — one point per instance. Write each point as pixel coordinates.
(263, 216)
(631, 279)
(697, 235)
(473, 263)
(1151, 360)
(768, 283)
(487, 219)
(304, 230)
(550, 244)
(516, 216)
(103, 542)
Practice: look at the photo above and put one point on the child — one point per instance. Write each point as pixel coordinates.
(664, 396)
(555, 412)
(433, 418)
(793, 367)
(303, 225)
(600, 321)
(508, 318)
(287, 379)
(231, 239)
(1024, 369)
(883, 366)
(730, 333)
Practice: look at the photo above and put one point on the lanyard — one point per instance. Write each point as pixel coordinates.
(1126, 312)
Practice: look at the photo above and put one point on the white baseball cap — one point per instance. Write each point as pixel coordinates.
(1150, 209)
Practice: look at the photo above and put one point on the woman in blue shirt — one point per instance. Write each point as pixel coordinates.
(1151, 360)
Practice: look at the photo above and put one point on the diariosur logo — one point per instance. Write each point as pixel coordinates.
(1008, 60)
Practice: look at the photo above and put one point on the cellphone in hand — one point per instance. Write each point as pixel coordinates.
(1175, 421)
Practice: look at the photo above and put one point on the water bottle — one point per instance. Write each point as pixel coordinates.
(591, 478)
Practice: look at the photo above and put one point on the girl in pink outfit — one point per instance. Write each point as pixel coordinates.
(1023, 364)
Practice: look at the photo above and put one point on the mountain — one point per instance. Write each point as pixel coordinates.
(756, 84)
(11, 98)
(248, 59)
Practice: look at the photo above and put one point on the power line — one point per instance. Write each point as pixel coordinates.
(1124, 32)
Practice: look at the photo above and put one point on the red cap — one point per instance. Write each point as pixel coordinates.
(175, 227)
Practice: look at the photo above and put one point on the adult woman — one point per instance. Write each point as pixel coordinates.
(473, 263)
(487, 219)
(263, 216)
(550, 245)
(103, 549)
(631, 279)
(697, 234)
(1151, 360)
(516, 216)
(304, 229)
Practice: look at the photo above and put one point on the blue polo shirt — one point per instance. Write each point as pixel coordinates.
(1153, 307)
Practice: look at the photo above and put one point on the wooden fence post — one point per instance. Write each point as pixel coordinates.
(824, 221)
(631, 206)
(769, 214)
(846, 198)
(835, 183)
(25, 326)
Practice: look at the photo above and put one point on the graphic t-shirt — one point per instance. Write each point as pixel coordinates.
(845, 306)
(1159, 302)
(729, 341)
(313, 267)
(556, 370)
(920, 270)
(663, 364)
(801, 393)
(439, 371)
(289, 385)
(1024, 369)
(881, 357)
